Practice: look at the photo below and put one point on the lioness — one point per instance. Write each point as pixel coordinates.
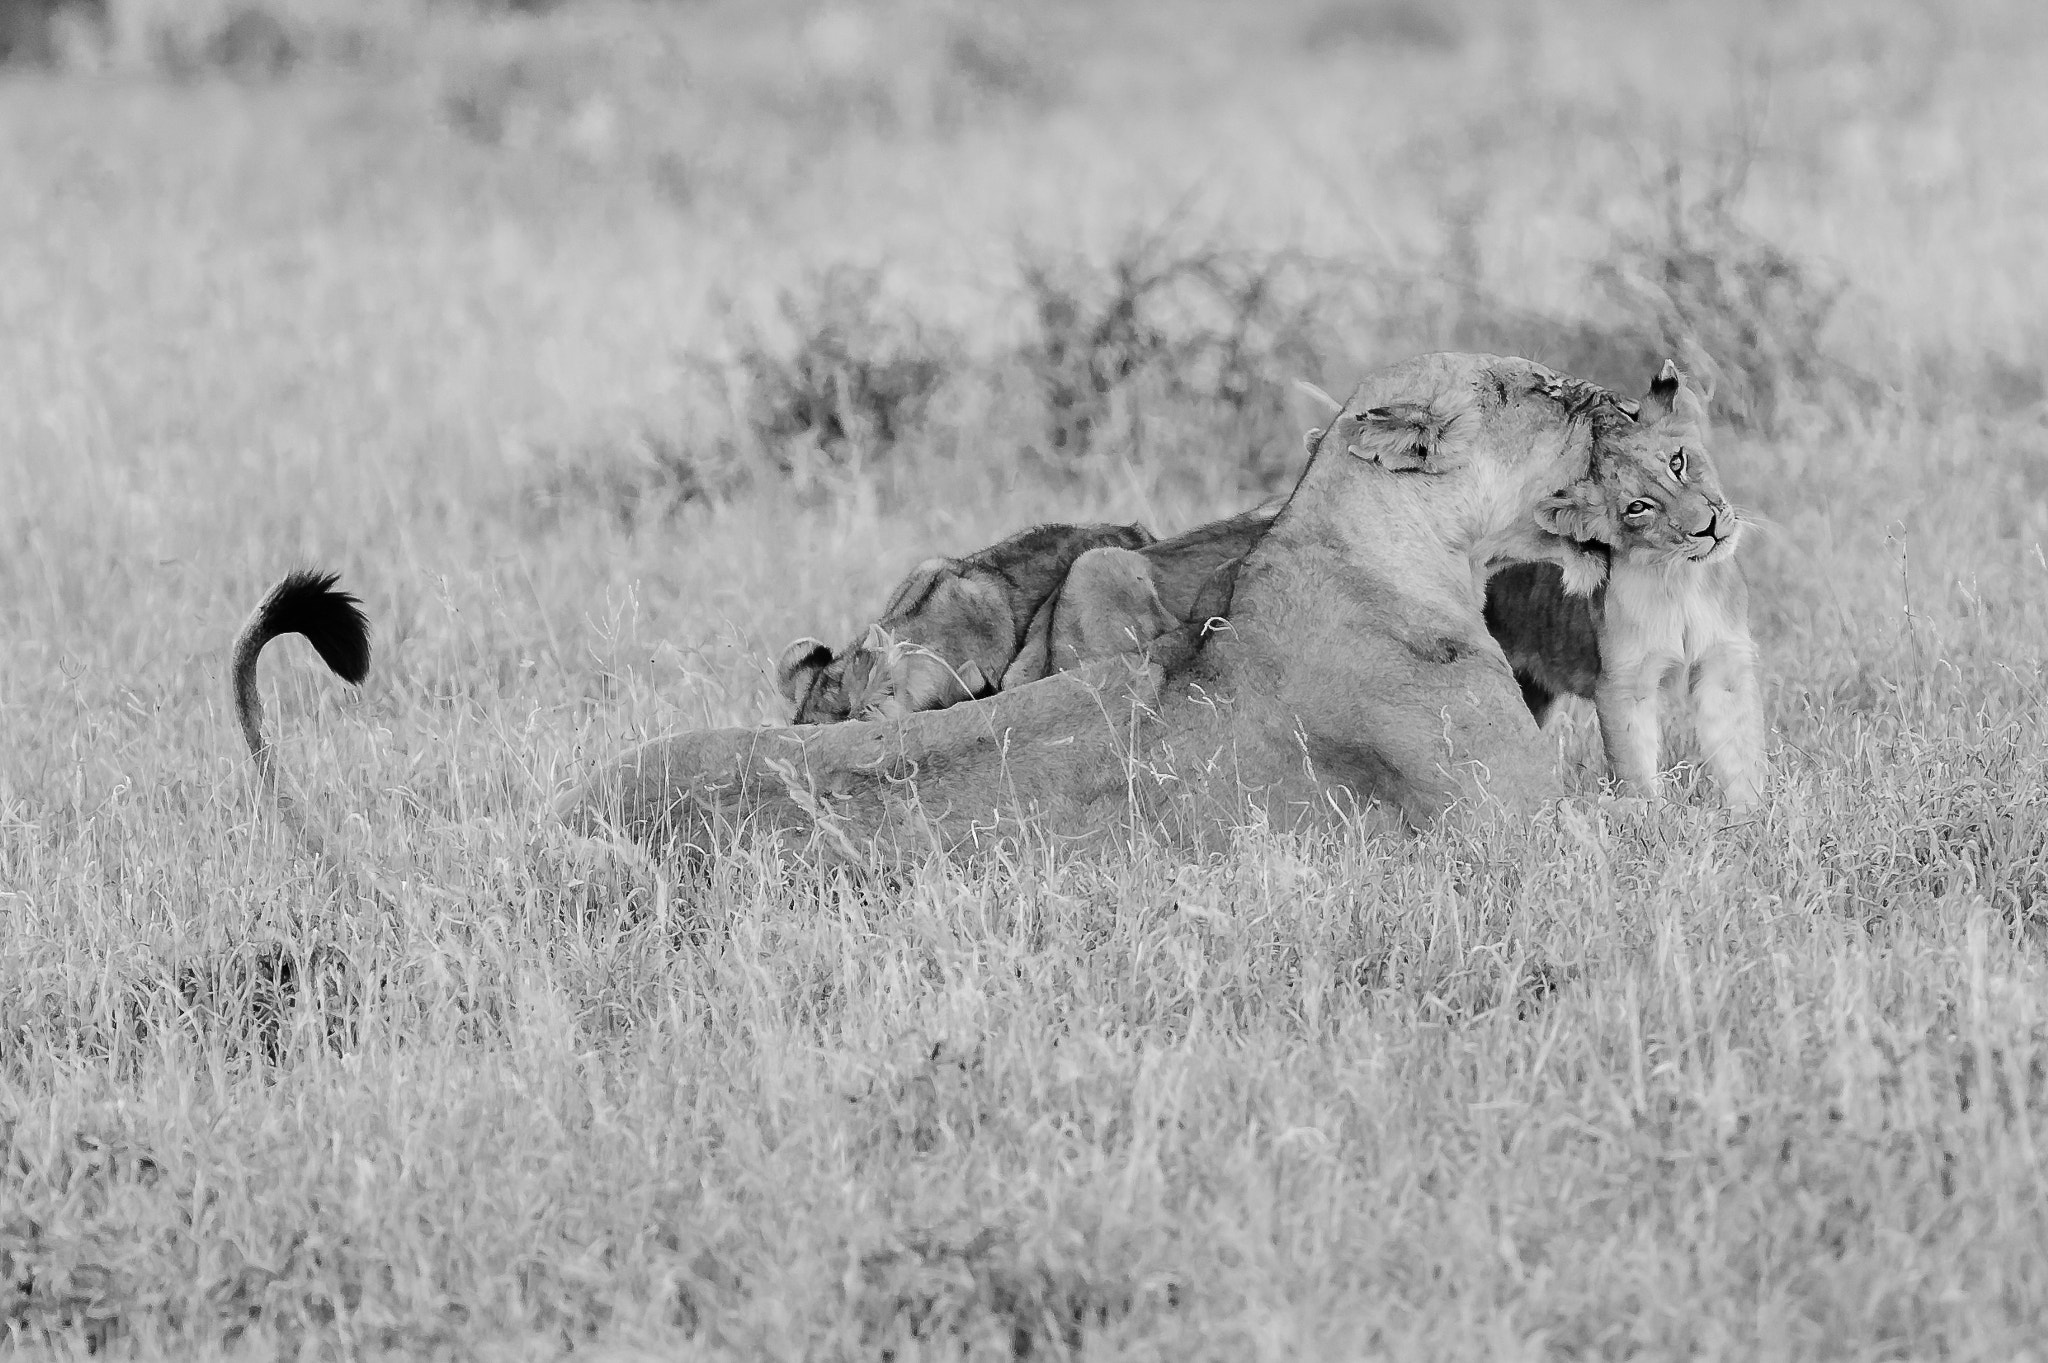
(1675, 607)
(949, 631)
(1354, 667)
(1676, 602)
(1113, 600)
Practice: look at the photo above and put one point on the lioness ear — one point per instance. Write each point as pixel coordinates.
(1311, 438)
(799, 665)
(1403, 436)
(1663, 395)
(1570, 517)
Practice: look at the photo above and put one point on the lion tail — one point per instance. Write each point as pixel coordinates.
(309, 603)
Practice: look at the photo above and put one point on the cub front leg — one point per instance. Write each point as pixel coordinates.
(1629, 730)
(1729, 716)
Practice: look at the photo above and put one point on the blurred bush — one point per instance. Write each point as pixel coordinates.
(248, 43)
(1167, 334)
(1738, 311)
(861, 372)
(1167, 343)
(1177, 353)
(845, 384)
(909, 66)
(642, 478)
(42, 32)
(1416, 25)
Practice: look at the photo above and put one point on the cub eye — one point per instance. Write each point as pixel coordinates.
(1678, 464)
(1639, 508)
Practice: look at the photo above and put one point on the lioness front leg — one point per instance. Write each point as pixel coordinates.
(1449, 729)
(1629, 730)
(1729, 717)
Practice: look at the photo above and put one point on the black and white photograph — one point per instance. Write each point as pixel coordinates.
(1024, 679)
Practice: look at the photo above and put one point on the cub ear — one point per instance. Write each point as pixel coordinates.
(1663, 395)
(1574, 517)
(799, 666)
(1403, 436)
(1311, 438)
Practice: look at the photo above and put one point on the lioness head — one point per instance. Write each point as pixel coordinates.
(1654, 495)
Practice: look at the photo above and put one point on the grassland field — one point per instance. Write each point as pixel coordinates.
(604, 347)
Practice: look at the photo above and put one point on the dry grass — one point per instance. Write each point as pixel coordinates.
(1632, 1082)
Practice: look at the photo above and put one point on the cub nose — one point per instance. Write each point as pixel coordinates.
(1713, 530)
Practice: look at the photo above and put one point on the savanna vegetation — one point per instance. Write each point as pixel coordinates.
(605, 345)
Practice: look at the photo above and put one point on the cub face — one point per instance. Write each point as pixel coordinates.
(881, 677)
(950, 631)
(888, 678)
(1654, 495)
(901, 663)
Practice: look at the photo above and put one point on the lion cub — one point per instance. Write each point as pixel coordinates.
(949, 632)
(1674, 611)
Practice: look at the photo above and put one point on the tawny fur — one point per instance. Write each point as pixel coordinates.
(1105, 608)
(310, 603)
(1354, 668)
(1672, 616)
(1672, 627)
(949, 632)
(1109, 605)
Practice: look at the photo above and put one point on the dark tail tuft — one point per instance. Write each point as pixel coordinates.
(308, 602)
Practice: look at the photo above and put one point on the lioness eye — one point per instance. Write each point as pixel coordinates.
(1678, 464)
(1640, 508)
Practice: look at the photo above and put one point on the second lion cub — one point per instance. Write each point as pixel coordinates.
(1673, 617)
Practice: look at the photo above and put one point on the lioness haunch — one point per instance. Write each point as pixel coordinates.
(1354, 667)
